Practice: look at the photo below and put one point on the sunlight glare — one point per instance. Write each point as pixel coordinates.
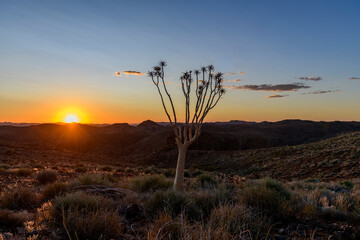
(71, 119)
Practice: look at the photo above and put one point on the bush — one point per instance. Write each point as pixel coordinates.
(106, 169)
(173, 203)
(19, 198)
(92, 179)
(206, 181)
(24, 172)
(267, 195)
(87, 216)
(347, 184)
(46, 176)
(150, 183)
(78, 201)
(207, 200)
(54, 189)
(10, 218)
(101, 224)
(151, 169)
(81, 169)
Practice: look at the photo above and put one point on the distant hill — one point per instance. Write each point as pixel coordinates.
(122, 139)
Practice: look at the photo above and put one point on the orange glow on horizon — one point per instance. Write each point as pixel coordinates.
(71, 115)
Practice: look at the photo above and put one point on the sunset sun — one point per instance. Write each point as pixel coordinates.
(71, 119)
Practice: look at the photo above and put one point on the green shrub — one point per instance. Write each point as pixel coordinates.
(312, 180)
(78, 201)
(151, 169)
(173, 203)
(24, 172)
(19, 198)
(206, 181)
(54, 189)
(150, 183)
(120, 169)
(207, 200)
(266, 195)
(46, 176)
(169, 172)
(348, 184)
(91, 179)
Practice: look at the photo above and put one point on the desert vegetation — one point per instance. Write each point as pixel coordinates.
(213, 205)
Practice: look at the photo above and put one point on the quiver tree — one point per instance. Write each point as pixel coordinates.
(208, 92)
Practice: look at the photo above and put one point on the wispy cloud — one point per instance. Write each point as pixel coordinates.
(241, 73)
(272, 88)
(234, 80)
(276, 96)
(117, 73)
(322, 92)
(134, 73)
(312, 78)
(230, 73)
(354, 78)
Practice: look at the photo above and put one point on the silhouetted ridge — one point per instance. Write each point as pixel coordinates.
(149, 124)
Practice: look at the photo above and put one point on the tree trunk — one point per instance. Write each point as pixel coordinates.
(179, 176)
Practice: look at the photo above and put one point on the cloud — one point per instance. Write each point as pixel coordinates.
(134, 73)
(230, 73)
(241, 73)
(312, 78)
(272, 88)
(354, 78)
(322, 92)
(234, 80)
(276, 96)
(117, 73)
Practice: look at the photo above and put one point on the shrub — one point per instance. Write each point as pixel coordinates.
(54, 189)
(46, 176)
(347, 184)
(87, 216)
(169, 172)
(10, 218)
(173, 203)
(231, 219)
(120, 169)
(81, 169)
(151, 169)
(312, 180)
(4, 166)
(78, 201)
(266, 195)
(19, 198)
(150, 183)
(207, 200)
(206, 181)
(91, 179)
(101, 224)
(38, 165)
(24, 172)
(106, 169)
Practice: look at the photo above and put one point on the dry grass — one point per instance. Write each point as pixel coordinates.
(46, 176)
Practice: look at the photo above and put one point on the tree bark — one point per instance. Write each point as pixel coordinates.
(179, 175)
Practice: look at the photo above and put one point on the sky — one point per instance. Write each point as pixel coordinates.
(297, 59)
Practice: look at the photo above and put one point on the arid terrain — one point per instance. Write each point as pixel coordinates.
(286, 180)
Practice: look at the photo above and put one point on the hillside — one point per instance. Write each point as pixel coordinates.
(148, 137)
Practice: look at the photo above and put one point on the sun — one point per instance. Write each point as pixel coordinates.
(71, 118)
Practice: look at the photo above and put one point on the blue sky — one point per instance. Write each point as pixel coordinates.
(63, 54)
